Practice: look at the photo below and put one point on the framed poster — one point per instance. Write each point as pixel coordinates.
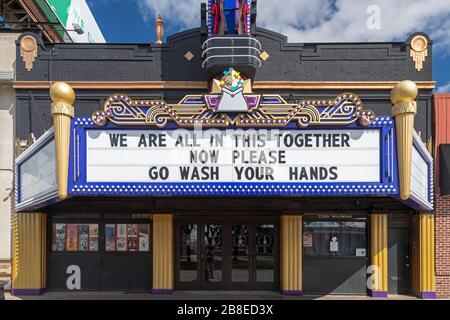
(144, 237)
(59, 237)
(132, 230)
(83, 237)
(307, 239)
(93, 237)
(72, 237)
(110, 237)
(121, 237)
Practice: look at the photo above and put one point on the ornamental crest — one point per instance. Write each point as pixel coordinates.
(231, 103)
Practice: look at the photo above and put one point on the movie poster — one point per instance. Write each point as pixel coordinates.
(132, 237)
(144, 236)
(83, 237)
(72, 237)
(59, 241)
(93, 237)
(121, 237)
(110, 237)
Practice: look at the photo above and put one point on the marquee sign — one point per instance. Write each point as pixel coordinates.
(347, 160)
(35, 173)
(232, 104)
(233, 156)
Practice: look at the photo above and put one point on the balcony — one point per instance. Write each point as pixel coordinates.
(241, 52)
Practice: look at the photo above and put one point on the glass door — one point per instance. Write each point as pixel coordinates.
(240, 256)
(265, 261)
(199, 256)
(211, 255)
(188, 245)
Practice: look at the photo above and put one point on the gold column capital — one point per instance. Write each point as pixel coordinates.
(62, 110)
(63, 97)
(62, 92)
(404, 107)
(405, 90)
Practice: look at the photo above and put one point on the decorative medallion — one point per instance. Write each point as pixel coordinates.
(231, 104)
(419, 51)
(28, 51)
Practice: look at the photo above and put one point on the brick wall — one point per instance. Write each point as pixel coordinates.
(442, 212)
(441, 121)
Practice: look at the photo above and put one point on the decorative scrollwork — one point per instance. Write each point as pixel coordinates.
(273, 111)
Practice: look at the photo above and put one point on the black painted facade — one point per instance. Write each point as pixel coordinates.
(301, 62)
(316, 62)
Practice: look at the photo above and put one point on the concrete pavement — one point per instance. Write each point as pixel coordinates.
(194, 295)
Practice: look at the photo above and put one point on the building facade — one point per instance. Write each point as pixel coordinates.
(7, 110)
(226, 158)
(56, 21)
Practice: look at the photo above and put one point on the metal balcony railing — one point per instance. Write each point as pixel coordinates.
(231, 51)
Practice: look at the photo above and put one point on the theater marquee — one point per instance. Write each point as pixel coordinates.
(261, 155)
(123, 159)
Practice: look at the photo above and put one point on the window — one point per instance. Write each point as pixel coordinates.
(127, 237)
(75, 237)
(334, 238)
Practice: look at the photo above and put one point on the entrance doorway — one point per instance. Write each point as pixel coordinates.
(236, 254)
(399, 256)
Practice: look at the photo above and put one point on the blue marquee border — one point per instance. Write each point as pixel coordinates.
(78, 186)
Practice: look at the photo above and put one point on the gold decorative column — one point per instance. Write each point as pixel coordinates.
(404, 108)
(291, 255)
(379, 254)
(423, 257)
(63, 98)
(163, 267)
(29, 253)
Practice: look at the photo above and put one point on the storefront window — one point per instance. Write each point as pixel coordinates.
(127, 237)
(335, 238)
(75, 237)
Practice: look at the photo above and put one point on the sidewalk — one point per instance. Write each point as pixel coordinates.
(194, 295)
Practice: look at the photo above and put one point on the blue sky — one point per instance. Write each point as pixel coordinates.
(132, 21)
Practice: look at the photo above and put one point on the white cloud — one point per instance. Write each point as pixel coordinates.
(347, 19)
(444, 88)
(326, 20)
(182, 13)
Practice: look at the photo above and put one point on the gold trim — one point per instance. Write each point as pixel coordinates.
(291, 253)
(28, 51)
(345, 109)
(379, 252)
(404, 109)
(201, 85)
(427, 254)
(163, 247)
(419, 51)
(29, 269)
(62, 112)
